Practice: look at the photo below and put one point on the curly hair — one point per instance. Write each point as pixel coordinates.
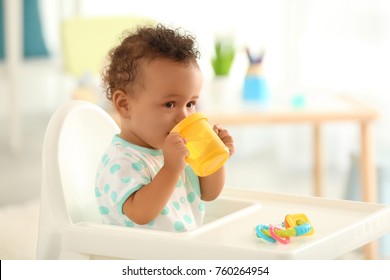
(145, 44)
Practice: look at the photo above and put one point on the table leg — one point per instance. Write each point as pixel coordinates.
(318, 160)
(368, 178)
(367, 164)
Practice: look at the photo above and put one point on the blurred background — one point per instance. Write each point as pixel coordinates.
(52, 51)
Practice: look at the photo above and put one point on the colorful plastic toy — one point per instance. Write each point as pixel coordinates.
(293, 225)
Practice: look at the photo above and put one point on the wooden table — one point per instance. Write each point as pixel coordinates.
(316, 111)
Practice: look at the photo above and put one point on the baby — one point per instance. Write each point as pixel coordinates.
(154, 81)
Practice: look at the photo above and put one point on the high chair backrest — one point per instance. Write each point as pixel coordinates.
(74, 142)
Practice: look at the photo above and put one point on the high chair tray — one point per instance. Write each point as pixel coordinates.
(228, 232)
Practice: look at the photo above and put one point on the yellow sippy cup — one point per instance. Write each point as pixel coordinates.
(207, 151)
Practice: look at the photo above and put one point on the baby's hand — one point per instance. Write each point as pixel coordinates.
(175, 152)
(226, 138)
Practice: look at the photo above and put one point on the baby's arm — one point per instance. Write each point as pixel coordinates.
(212, 185)
(145, 204)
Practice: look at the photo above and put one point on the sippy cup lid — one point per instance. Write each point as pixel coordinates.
(187, 121)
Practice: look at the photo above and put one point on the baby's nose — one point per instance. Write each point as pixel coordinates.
(181, 115)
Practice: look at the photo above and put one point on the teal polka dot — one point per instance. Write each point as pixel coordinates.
(178, 226)
(182, 200)
(129, 223)
(128, 154)
(193, 179)
(104, 210)
(125, 180)
(201, 206)
(176, 205)
(105, 160)
(97, 193)
(150, 224)
(115, 168)
(191, 197)
(187, 219)
(114, 196)
(179, 184)
(106, 188)
(196, 188)
(137, 166)
(165, 211)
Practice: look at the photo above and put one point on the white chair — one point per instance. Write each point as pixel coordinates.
(75, 139)
(70, 226)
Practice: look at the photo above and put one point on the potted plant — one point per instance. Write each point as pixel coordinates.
(224, 56)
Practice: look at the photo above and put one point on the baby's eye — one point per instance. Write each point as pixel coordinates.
(169, 105)
(191, 104)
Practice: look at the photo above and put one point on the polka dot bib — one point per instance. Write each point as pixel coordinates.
(125, 168)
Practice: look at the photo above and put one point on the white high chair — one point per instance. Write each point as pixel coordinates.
(70, 226)
(76, 137)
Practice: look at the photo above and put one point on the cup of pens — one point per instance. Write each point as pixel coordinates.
(255, 85)
(207, 151)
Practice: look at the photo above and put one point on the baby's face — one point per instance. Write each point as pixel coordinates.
(169, 93)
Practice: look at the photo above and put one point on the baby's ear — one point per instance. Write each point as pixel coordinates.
(121, 102)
